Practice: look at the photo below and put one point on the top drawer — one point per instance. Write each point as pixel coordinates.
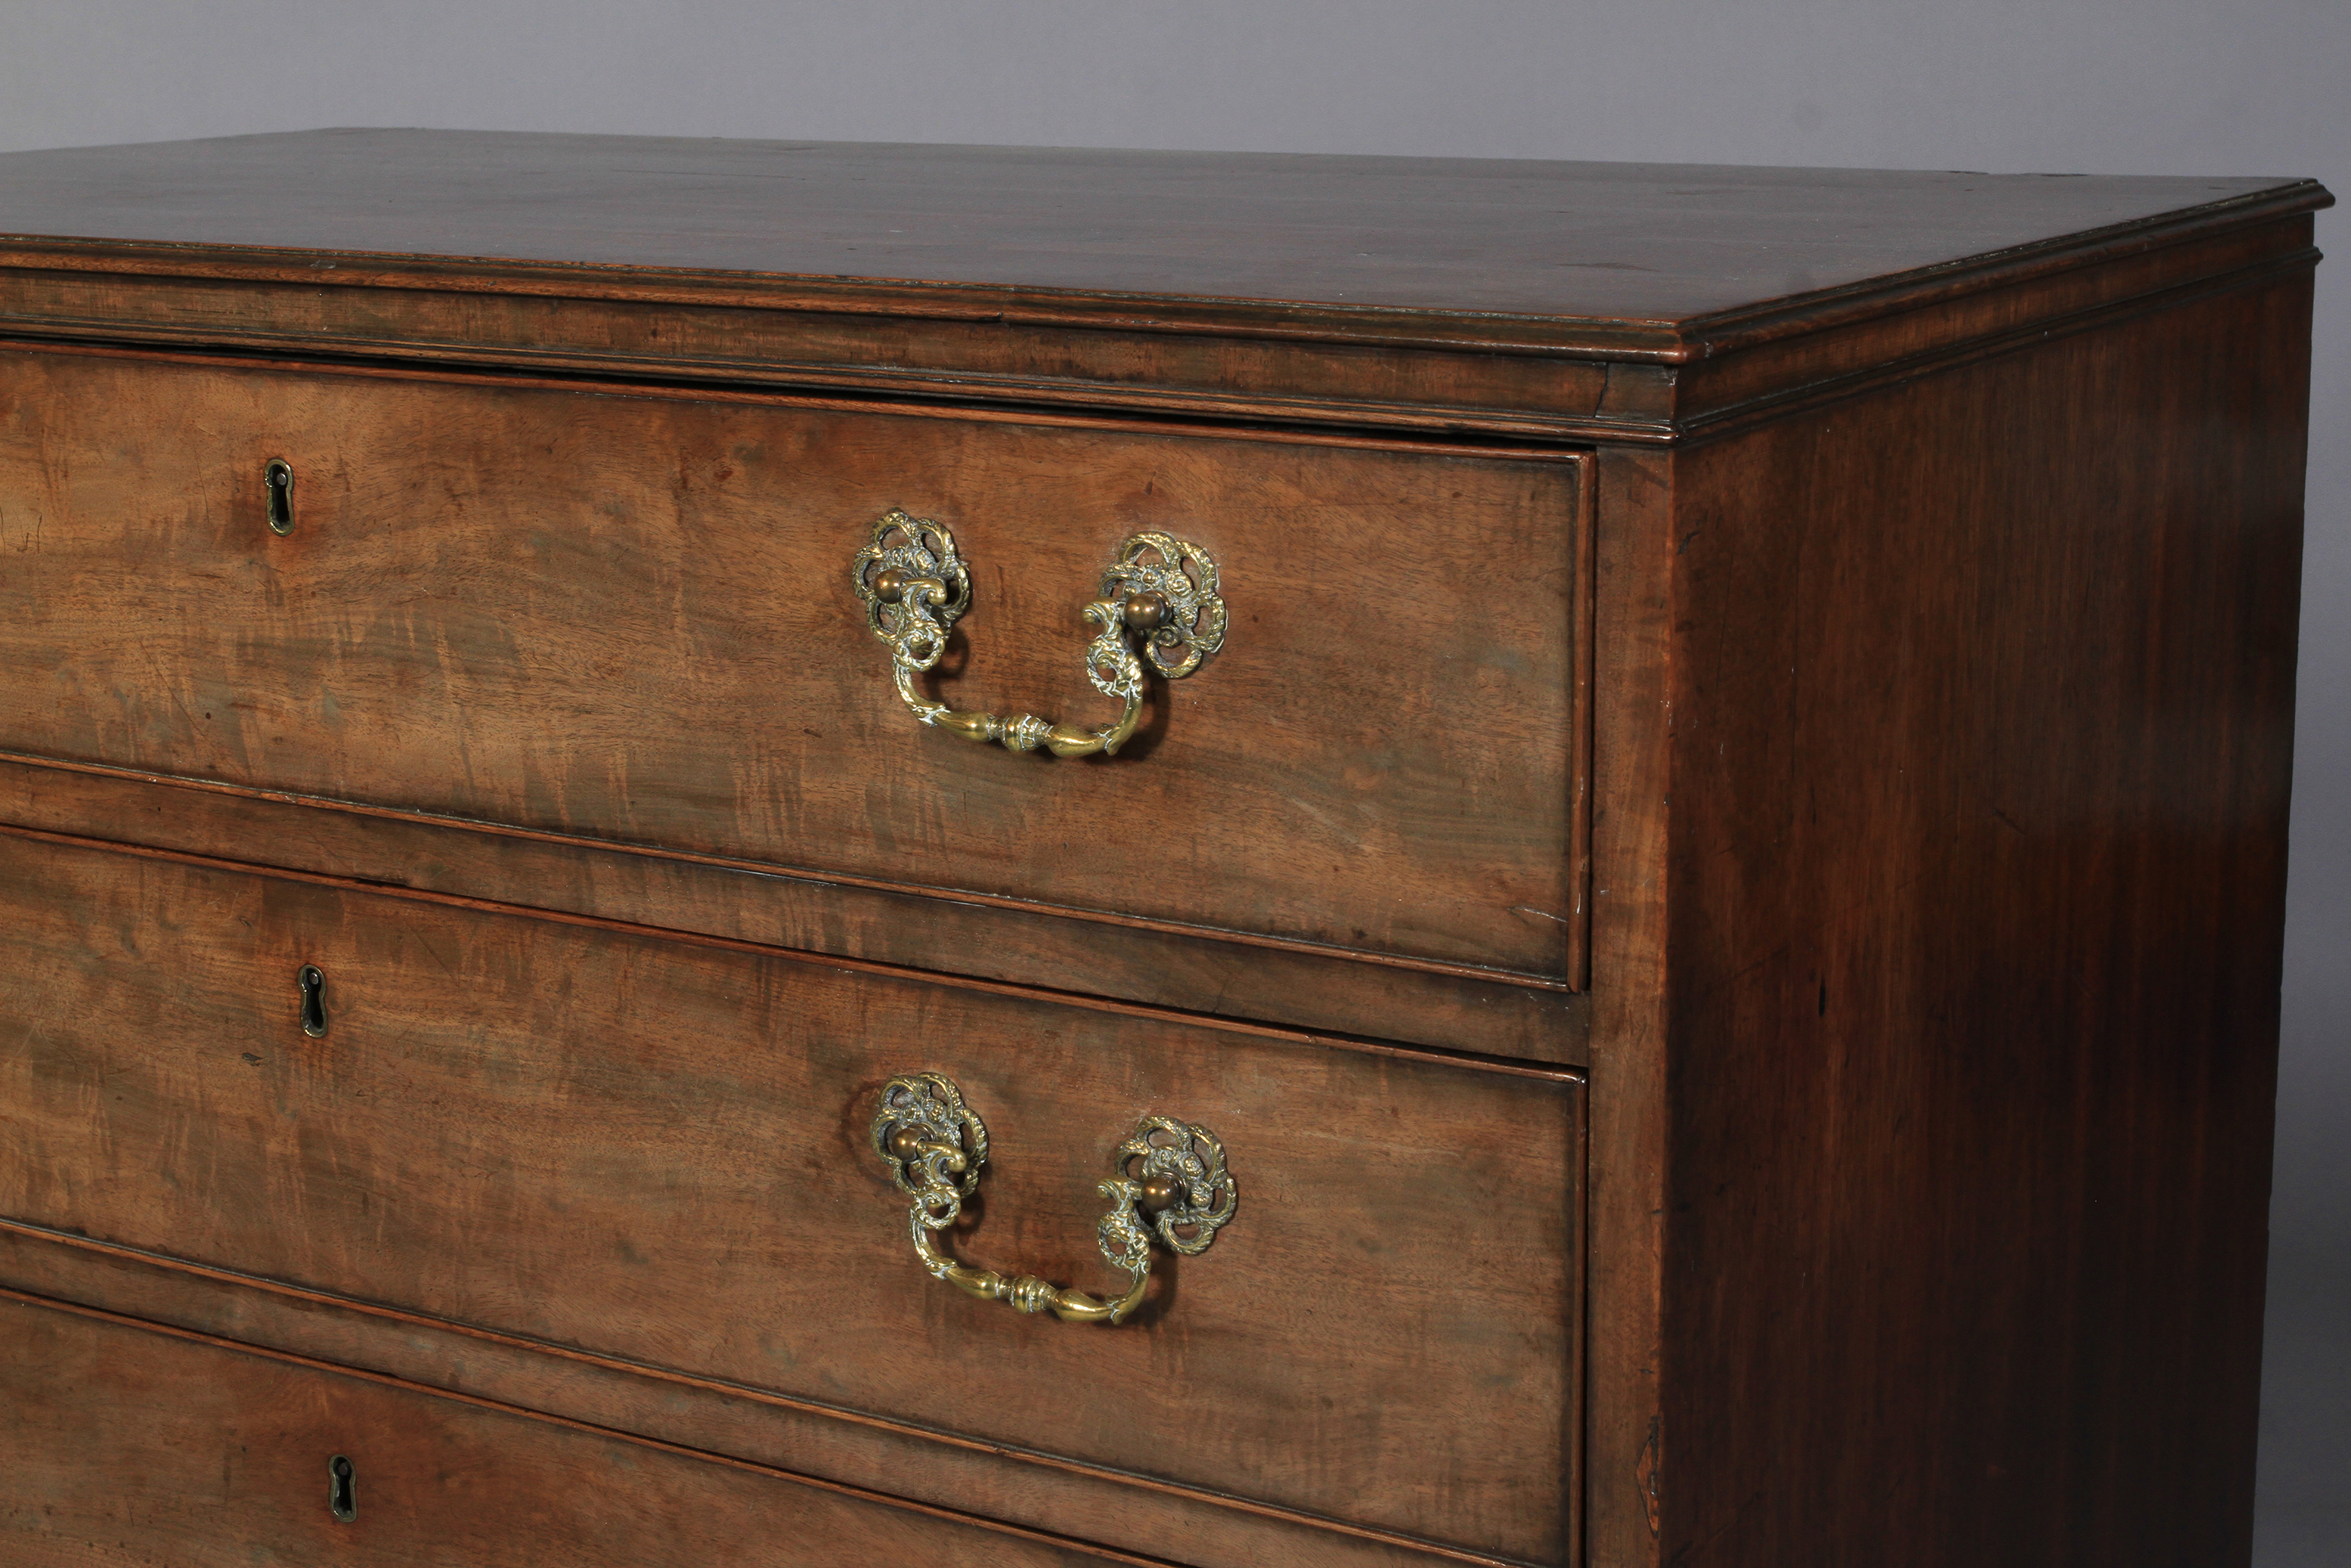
(628, 615)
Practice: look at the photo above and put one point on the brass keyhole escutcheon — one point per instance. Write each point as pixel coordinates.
(312, 986)
(277, 478)
(343, 1495)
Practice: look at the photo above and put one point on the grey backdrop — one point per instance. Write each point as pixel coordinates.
(2173, 87)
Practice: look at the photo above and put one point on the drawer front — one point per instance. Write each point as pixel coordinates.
(631, 617)
(661, 1150)
(126, 1446)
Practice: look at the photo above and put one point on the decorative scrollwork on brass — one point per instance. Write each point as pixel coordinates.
(934, 1144)
(1198, 1195)
(1149, 565)
(1159, 590)
(1169, 1170)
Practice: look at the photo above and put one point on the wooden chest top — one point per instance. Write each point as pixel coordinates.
(1666, 244)
(1216, 283)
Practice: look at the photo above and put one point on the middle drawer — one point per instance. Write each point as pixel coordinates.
(663, 1152)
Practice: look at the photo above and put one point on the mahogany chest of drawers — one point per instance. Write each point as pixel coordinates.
(788, 853)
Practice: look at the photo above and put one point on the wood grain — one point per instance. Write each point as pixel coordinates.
(734, 342)
(207, 1455)
(995, 1480)
(1635, 243)
(1850, 612)
(1983, 704)
(1597, 302)
(1212, 976)
(1625, 1482)
(631, 617)
(658, 1151)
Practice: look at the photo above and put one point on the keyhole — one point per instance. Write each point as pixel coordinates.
(313, 986)
(278, 476)
(340, 1495)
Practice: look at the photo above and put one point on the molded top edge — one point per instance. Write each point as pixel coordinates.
(1652, 261)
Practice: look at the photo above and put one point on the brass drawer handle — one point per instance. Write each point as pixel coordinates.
(935, 1145)
(1161, 589)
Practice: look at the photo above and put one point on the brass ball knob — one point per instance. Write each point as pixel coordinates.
(890, 586)
(906, 1143)
(1145, 612)
(1160, 1193)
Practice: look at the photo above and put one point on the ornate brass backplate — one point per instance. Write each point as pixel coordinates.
(1159, 590)
(1169, 1170)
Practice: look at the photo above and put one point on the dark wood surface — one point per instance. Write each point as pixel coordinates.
(659, 1152)
(1594, 302)
(1425, 374)
(1219, 976)
(1632, 713)
(1937, 612)
(998, 1481)
(631, 617)
(1982, 702)
(1598, 241)
(131, 1447)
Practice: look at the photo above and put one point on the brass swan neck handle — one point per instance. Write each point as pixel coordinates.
(935, 1148)
(1159, 590)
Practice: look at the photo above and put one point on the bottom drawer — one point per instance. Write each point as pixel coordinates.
(123, 1447)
